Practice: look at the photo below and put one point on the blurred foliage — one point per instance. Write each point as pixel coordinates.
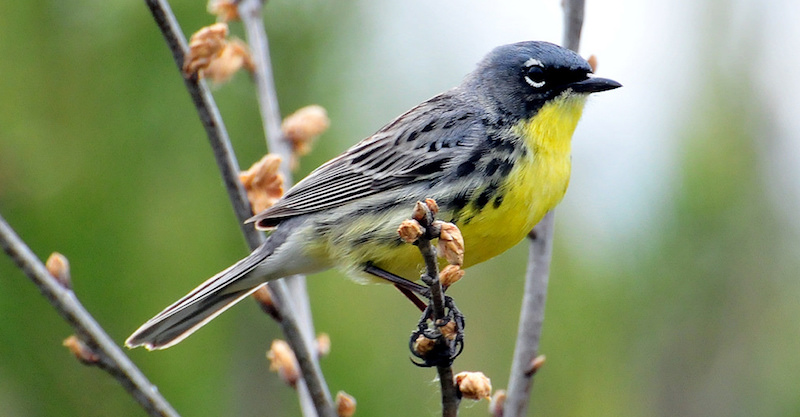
(102, 158)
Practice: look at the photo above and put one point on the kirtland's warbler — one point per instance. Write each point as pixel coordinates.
(493, 152)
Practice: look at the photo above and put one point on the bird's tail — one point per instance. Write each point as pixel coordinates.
(201, 305)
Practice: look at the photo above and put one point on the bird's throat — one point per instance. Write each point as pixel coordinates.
(549, 131)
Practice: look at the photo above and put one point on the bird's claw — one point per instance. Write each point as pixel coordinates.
(438, 342)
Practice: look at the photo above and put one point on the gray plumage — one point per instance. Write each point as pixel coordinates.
(434, 151)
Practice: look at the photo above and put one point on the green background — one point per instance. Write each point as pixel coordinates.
(102, 158)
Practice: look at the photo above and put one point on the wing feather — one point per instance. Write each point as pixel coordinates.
(416, 146)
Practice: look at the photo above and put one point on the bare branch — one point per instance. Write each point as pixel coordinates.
(109, 356)
(531, 317)
(573, 23)
(250, 11)
(533, 300)
(229, 168)
(306, 356)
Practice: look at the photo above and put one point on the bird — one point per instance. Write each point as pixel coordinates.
(493, 152)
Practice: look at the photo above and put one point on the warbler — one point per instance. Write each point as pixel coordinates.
(494, 153)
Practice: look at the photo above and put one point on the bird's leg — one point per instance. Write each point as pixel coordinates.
(409, 288)
(424, 340)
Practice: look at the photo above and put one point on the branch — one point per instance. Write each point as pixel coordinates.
(250, 11)
(524, 364)
(229, 168)
(450, 394)
(109, 357)
(531, 318)
(573, 23)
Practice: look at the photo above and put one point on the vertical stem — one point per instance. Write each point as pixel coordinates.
(532, 312)
(573, 23)
(250, 12)
(432, 278)
(531, 317)
(450, 395)
(306, 357)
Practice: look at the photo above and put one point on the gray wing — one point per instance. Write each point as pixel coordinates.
(417, 146)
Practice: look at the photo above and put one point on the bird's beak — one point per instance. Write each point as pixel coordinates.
(594, 85)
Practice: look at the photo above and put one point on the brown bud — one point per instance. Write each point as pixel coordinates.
(497, 403)
(474, 385)
(225, 10)
(345, 404)
(592, 62)
(84, 353)
(423, 345)
(409, 231)
(264, 298)
(204, 45)
(283, 361)
(305, 125)
(420, 211)
(58, 266)
(234, 56)
(535, 365)
(451, 244)
(323, 345)
(449, 330)
(263, 182)
(432, 206)
(450, 275)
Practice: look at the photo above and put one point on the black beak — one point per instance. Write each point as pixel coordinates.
(594, 85)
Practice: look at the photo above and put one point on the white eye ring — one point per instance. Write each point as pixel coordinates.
(534, 84)
(533, 62)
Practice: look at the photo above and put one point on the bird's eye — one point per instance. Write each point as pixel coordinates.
(534, 76)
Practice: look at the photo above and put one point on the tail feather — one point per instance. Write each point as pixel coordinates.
(200, 306)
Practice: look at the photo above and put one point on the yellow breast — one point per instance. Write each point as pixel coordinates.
(534, 186)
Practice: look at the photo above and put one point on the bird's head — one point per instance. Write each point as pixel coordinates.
(519, 78)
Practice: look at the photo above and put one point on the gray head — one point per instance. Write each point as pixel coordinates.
(519, 78)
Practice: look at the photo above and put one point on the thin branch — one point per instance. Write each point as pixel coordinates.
(573, 23)
(531, 318)
(432, 278)
(450, 395)
(541, 247)
(306, 357)
(250, 11)
(229, 168)
(110, 356)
